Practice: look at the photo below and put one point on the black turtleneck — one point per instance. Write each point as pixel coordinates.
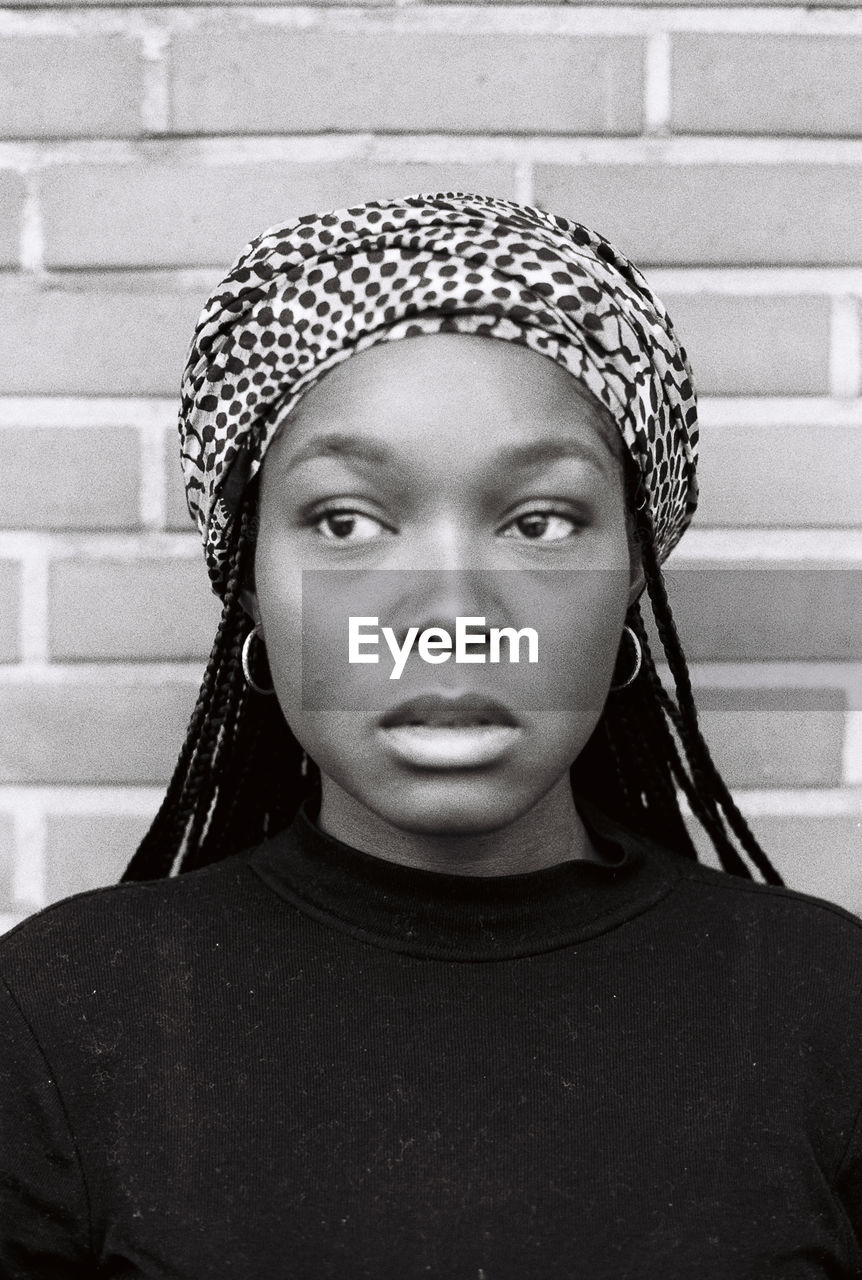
(308, 1062)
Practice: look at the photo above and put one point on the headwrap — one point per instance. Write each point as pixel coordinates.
(305, 295)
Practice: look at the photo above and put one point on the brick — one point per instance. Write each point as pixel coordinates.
(177, 512)
(95, 339)
(231, 78)
(93, 733)
(69, 478)
(821, 856)
(768, 214)
(10, 588)
(774, 737)
(778, 475)
(737, 614)
(131, 609)
(767, 84)
(185, 215)
(69, 86)
(754, 345)
(11, 208)
(86, 851)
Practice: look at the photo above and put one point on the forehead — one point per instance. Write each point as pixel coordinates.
(460, 392)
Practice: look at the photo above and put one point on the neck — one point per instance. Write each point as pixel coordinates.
(549, 833)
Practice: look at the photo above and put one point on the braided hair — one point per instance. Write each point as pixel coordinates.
(240, 775)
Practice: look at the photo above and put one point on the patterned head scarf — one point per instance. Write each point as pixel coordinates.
(308, 294)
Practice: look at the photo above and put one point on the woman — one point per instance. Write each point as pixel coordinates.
(442, 989)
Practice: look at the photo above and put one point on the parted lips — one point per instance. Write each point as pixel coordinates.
(310, 293)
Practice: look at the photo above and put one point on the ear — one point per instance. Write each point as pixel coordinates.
(248, 600)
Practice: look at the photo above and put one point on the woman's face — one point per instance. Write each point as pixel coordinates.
(424, 480)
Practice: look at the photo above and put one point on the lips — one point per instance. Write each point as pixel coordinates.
(466, 709)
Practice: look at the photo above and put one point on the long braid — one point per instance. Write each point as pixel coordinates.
(632, 761)
(210, 778)
(202, 771)
(157, 852)
(711, 786)
(691, 777)
(647, 762)
(204, 788)
(677, 772)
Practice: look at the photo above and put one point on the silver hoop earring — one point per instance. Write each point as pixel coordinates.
(246, 663)
(615, 688)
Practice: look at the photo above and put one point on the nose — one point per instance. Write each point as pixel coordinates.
(436, 597)
(443, 595)
(442, 579)
(445, 544)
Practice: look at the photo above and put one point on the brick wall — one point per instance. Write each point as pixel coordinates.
(140, 148)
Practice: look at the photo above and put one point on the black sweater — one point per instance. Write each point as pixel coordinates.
(307, 1062)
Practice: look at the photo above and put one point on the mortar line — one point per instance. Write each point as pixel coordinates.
(33, 605)
(657, 85)
(29, 887)
(155, 98)
(845, 347)
(436, 147)
(152, 495)
(523, 19)
(851, 751)
(86, 800)
(32, 237)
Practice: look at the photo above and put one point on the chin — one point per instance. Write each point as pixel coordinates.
(463, 806)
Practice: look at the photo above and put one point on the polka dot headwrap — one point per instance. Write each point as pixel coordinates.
(308, 294)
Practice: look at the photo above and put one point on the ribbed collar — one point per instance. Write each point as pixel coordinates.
(475, 918)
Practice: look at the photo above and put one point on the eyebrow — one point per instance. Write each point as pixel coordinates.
(535, 453)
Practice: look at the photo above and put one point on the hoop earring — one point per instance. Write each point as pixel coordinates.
(246, 663)
(303, 767)
(615, 688)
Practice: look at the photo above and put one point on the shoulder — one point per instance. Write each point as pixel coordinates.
(118, 906)
(779, 901)
(120, 932)
(784, 969)
(773, 925)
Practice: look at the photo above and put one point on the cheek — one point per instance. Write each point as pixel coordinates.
(579, 616)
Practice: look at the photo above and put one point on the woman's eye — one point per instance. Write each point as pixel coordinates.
(542, 526)
(346, 526)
